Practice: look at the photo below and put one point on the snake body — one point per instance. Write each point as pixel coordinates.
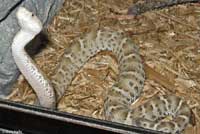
(147, 5)
(30, 27)
(124, 92)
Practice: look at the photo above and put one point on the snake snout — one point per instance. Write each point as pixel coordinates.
(28, 21)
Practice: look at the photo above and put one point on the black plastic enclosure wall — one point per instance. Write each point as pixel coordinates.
(37, 120)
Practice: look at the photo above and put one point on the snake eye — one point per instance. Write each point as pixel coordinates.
(32, 15)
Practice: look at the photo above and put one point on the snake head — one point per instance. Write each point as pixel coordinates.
(28, 21)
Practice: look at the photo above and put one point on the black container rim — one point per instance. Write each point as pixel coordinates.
(71, 118)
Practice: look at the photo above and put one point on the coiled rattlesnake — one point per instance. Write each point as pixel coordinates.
(124, 92)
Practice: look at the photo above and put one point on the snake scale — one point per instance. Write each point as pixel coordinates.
(124, 92)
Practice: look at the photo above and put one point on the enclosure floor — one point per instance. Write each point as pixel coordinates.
(169, 45)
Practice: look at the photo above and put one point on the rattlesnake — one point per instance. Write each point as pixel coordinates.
(124, 92)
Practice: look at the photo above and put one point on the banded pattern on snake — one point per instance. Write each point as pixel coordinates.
(122, 94)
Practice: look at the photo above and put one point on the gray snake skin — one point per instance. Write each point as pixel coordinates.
(147, 5)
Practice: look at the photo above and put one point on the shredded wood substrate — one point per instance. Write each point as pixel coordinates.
(169, 41)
